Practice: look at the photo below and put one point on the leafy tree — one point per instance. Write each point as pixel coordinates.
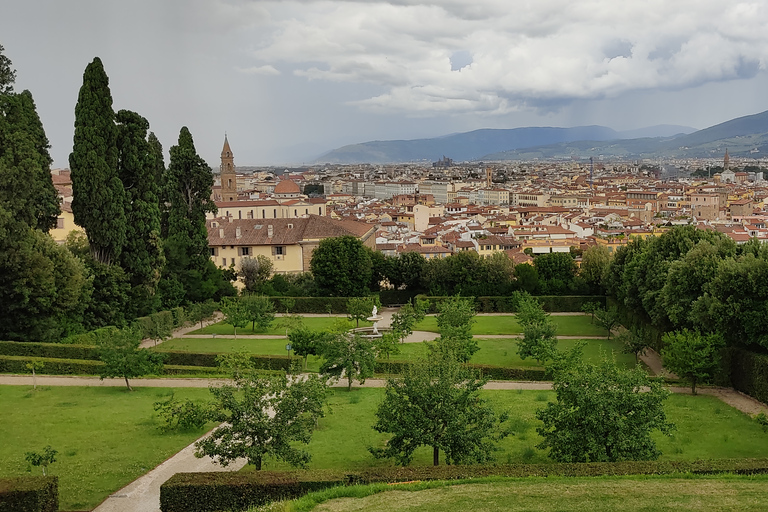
(454, 321)
(7, 73)
(142, 257)
(254, 272)
(160, 327)
(122, 357)
(360, 308)
(594, 264)
(182, 414)
(264, 416)
(635, 341)
(526, 277)
(408, 268)
(602, 413)
(42, 459)
(34, 366)
(98, 196)
(556, 272)
(189, 272)
(607, 318)
(235, 312)
(308, 342)
(348, 355)
(591, 307)
(437, 403)
(109, 295)
(341, 267)
(387, 344)
(692, 355)
(201, 311)
(406, 318)
(539, 339)
(260, 311)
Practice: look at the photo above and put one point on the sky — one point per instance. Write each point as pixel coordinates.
(289, 80)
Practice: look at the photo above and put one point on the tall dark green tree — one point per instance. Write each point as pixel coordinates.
(142, 257)
(190, 274)
(98, 197)
(7, 73)
(342, 267)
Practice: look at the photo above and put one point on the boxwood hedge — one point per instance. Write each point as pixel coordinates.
(29, 494)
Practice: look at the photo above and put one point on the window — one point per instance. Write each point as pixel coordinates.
(223, 262)
(214, 251)
(245, 251)
(279, 250)
(274, 213)
(60, 223)
(263, 214)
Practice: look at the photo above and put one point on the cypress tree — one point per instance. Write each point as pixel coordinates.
(142, 257)
(7, 73)
(98, 197)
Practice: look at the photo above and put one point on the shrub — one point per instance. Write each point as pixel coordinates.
(29, 494)
(90, 338)
(182, 414)
(749, 372)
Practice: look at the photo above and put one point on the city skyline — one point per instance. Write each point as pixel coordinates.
(289, 80)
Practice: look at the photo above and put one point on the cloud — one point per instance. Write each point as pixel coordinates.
(259, 70)
(511, 55)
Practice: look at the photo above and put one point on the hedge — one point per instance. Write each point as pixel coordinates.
(212, 492)
(485, 370)
(51, 350)
(396, 297)
(29, 494)
(508, 304)
(263, 362)
(338, 305)
(748, 372)
(18, 365)
(88, 338)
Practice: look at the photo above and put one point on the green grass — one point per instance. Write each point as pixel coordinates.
(503, 352)
(625, 494)
(312, 322)
(106, 437)
(706, 428)
(567, 325)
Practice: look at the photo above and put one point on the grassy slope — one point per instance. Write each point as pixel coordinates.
(106, 437)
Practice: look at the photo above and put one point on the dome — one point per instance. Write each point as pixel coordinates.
(287, 187)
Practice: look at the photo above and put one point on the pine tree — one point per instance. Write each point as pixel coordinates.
(98, 201)
(142, 257)
(190, 274)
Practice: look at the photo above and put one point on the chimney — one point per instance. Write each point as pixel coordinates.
(238, 233)
(270, 231)
(231, 218)
(221, 232)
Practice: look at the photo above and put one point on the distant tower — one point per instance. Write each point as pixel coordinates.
(228, 176)
(489, 177)
(726, 161)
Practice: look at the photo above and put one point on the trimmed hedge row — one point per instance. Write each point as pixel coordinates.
(338, 305)
(262, 362)
(508, 304)
(51, 350)
(209, 492)
(748, 372)
(18, 365)
(485, 370)
(29, 494)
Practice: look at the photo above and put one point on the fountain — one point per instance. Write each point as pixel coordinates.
(373, 331)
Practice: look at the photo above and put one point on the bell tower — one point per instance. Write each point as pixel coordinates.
(227, 171)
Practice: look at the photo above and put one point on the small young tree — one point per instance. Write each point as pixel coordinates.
(635, 341)
(160, 327)
(307, 342)
(182, 414)
(454, 320)
(235, 312)
(260, 311)
(692, 355)
(437, 403)
(255, 272)
(42, 459)
(607, 318)
(539, 340)
(119, 351)
(590, 307)
(264, 416)
(602, 413)
(389, 343)
(348, 355)
(201, 311)
(360, 308)
(407, 317)
(34, 366)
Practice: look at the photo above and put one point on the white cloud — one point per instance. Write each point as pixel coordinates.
(522, 53)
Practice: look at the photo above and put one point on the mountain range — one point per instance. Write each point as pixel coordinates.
(743, 136)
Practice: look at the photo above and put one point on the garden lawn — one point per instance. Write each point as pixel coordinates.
(503, 352)
(623, 494)
(567, 325)
(706, 428)
(312, 322)
(105, 437)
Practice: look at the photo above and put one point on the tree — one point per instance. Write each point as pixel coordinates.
(260, 311)
(406, 318)
(307, 342)
(264, 416)
(539, 339)
(635, 341)
(34, 366)
(7, 73)
(235, 312)
(201, 311)
(602, 413)
(142, 256)
(160, 327)
(254, 272)
(607, 318)
(348, 355)
(526, 277)
(692, 355)
(341, 267)
(408, 268)
(590, 308)
(437, 403)
(594, 264)
(42, 459)
(360, 308)
(98, 196)
(119, 351)
(556, 272)
(189, 275)
(454, 321)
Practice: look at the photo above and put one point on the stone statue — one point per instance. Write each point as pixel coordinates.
(375, 310)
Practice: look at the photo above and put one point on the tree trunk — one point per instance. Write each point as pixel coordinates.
(435, 456)
(34, 380)
(258, 463)
(126, 383)
(693, 385)
(349, 380)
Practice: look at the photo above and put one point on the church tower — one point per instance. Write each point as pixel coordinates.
(228, 176)
(726, 161)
